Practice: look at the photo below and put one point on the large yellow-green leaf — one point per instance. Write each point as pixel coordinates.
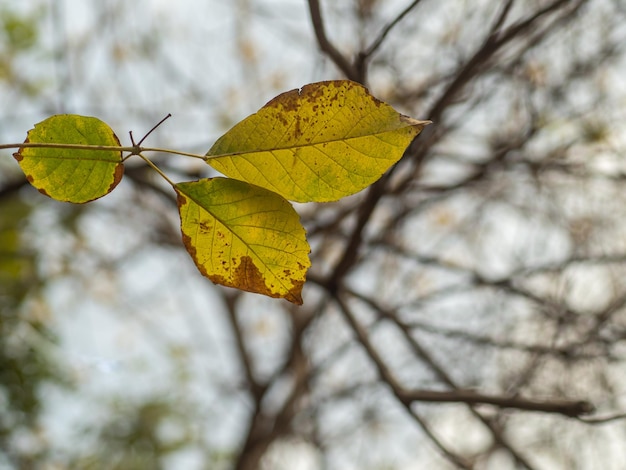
(321, 143)
(72, 175)
(244, 236)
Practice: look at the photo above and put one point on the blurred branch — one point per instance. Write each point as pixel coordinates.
(570, 408)
(265, 428)
(256, 390)
(363, 56)
(11, 187)
(396, 388)
(327, 47)
(603, 419)
(494, 41)
(565, 407)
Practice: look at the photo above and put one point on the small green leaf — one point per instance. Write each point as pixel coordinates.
(72, 175)
(321, 143)
(240, 235)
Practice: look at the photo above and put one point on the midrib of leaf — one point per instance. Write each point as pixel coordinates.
(309, 144)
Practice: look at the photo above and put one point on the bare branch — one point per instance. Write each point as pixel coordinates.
(256, 389)
(327, 47)
(571, 408)
(381, 37)
(603, 419)
(396, 388)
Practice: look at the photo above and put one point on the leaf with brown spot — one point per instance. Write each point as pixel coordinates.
(321, 143)
(240, 235)
(72, 175)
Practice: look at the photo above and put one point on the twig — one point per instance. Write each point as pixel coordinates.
(327, 47)
(169, 115)
(603, 419)
(381, 37)
(444, 377)
(396, 388)
(256, 389)
(570, 408)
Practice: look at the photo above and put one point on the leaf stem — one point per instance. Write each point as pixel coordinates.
(133, 150)
(157, 169)
(174, 152)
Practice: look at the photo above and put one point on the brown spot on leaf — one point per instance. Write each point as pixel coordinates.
(192, 252)
(297, 132)
(43, 191)
(295, 293)
(18, 155)
(180, 199)
(288, 101)
(117, 176)
(247, 276)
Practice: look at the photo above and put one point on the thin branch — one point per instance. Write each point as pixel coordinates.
(327, 47)
(169, 115)
(570, 408)
(265, 428)
(256, 389)
(396, 388)
(444, 377)
(503, 15)
(381, 37)
(492, 44)
(603, 419)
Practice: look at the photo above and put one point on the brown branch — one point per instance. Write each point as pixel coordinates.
(444, 377)
(571, 408)
(266, 428)
(364, 213)
(603, 419)
(327, 47)
(495, 40)
(381, 37)
(256, 389)
(396, 388)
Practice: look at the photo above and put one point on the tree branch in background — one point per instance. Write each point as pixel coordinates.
(327, 47)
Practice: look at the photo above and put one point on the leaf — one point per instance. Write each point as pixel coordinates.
(321, 143)
(240, 235)
(72, 175)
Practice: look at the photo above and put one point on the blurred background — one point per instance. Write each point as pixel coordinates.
(489, 262)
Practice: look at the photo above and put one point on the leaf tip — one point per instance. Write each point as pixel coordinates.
(295, 293)
(414, 122)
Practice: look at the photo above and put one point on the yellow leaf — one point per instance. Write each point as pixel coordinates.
(72, 175)
(240, 235)
(321, 143)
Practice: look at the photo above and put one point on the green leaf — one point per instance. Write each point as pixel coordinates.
(321, 143)
(72, 175)
(240, 235)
